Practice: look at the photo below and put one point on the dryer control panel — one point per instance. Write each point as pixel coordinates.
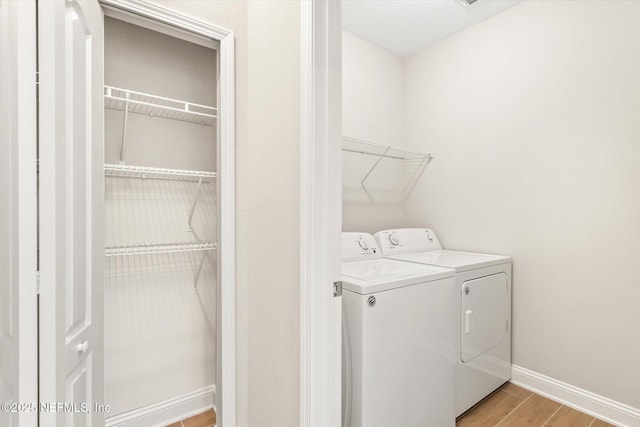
(359, 247)
(407, 240)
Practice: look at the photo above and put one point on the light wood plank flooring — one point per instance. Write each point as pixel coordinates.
(205, 419)
(510, 406)
(513, 406)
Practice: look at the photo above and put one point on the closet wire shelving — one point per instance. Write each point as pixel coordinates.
(145, 172)
(413, 162)
(158, 106)
(129, 101)
(147, 249)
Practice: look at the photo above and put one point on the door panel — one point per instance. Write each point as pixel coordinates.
(78, 389)
(71, 200)
(484, 314)
(78, 49)
(18, 204)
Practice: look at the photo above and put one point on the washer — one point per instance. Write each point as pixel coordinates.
(398, 339)
(483, 309)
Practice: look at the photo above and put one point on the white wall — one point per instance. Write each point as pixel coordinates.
(267, 207)
(535, 118)
(372, 92)
(271, 203)
(159, 336)
(372, 110)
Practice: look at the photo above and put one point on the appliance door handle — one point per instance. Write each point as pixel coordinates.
(468, 322)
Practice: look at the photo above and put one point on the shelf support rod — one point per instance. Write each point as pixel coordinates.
(124, 127)
(417, 174)
(195, 283)
(195, 202)
(382, 156)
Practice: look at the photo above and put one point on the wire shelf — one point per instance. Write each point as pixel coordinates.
(158, 106)
(125, 250)
(144, 172)
(399, 174)
(364, 147)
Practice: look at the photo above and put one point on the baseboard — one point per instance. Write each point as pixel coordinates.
(582, 400)
(166, 412)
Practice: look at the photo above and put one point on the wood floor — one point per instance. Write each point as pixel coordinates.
(510, 406)
(205, 419)
(513, 406)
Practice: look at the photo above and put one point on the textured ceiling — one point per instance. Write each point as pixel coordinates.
(406, 26)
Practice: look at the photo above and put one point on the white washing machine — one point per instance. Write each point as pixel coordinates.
(398, 339)
(483, 309)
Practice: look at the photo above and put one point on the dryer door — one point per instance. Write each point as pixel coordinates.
(484, 314)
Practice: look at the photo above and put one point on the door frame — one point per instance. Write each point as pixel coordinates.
(19, 335)
(320, 212)
(226, 251)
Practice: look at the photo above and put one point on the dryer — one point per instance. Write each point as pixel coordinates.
(398, 339)
(483, 309)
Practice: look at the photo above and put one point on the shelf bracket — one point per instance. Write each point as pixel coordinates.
(417, 174)
(375, 165)
(193, 206)
(195, 282)
(124, 127)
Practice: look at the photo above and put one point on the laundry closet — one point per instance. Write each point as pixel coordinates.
(534, 140)
(160, 216)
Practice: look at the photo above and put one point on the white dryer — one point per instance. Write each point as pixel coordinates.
(483, 309)
(398, 339)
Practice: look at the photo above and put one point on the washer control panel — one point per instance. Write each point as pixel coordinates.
(406, 240)
(362, 242)
(359, 247)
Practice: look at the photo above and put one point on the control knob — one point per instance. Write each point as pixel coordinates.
(394, 239)
(363, 243)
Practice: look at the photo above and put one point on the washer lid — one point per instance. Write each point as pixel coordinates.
(366, 277)
(460, 261)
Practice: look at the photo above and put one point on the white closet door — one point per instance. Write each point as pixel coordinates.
(71, 210)
(18, 203)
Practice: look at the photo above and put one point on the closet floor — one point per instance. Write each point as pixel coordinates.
(513, 406)
(509, 406)
(205, 419)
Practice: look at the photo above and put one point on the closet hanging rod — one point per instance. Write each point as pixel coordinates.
(125, 250)
(145, 172)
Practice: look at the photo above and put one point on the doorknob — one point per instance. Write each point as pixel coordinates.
(82, 347)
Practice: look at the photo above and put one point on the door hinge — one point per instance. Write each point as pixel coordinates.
(337, 289)
(37, 282)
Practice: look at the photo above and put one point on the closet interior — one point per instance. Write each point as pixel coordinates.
(160, 99)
